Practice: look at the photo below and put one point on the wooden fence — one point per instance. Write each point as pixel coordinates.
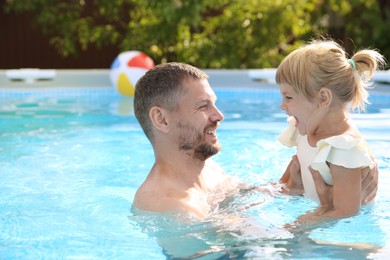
(22, 45)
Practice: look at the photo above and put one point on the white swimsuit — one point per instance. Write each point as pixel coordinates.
(342, 150)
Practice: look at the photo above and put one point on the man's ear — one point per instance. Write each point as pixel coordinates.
(158, 117)
(325, 96)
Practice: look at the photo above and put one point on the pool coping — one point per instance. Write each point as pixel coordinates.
(218, 78)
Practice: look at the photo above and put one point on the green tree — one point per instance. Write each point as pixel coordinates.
(208, 33)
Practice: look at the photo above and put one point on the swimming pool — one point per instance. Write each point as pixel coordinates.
(71, 162)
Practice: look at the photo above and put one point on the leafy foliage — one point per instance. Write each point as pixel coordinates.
(208, 33)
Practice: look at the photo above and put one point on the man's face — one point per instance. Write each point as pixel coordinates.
(197, 120)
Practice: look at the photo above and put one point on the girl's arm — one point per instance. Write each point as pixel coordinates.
(341, 200)
(346, 191)
(369, 186)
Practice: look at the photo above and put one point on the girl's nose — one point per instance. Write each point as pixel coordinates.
(282, 106)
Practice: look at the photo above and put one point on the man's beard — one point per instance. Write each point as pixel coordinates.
(191, 139)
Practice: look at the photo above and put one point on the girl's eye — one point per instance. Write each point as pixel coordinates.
(288, 97)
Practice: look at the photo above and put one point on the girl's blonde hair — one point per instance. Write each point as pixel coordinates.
(324, 63)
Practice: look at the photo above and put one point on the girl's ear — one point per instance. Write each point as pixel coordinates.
(158, 117)
(325, 96)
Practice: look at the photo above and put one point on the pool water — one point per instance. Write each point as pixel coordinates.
(72, 159)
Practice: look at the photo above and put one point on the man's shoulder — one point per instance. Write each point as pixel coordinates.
(154, 197)
(145, 197)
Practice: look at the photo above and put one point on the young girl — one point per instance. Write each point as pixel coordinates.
(319, 86)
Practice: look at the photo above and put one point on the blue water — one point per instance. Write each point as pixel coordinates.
(72, 159)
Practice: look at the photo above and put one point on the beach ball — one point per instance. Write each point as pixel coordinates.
(127, 68)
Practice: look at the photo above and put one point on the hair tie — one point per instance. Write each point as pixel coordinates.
(352, 62)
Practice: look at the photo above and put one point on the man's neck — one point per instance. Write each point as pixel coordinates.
(183, 169)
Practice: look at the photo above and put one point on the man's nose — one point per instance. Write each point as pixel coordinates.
(217, 115)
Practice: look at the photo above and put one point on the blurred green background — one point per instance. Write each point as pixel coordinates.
(206, 33)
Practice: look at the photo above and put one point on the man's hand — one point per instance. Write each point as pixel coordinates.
(324, 191)
(292, 178)
(369, 184)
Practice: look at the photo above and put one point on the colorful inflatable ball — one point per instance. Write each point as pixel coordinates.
(127, 68)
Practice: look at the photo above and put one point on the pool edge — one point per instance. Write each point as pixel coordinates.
(218, 78)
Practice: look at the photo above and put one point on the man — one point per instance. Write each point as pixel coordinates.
(175, 107)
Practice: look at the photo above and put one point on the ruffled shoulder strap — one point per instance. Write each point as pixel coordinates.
(289, 136)
(342, 150)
